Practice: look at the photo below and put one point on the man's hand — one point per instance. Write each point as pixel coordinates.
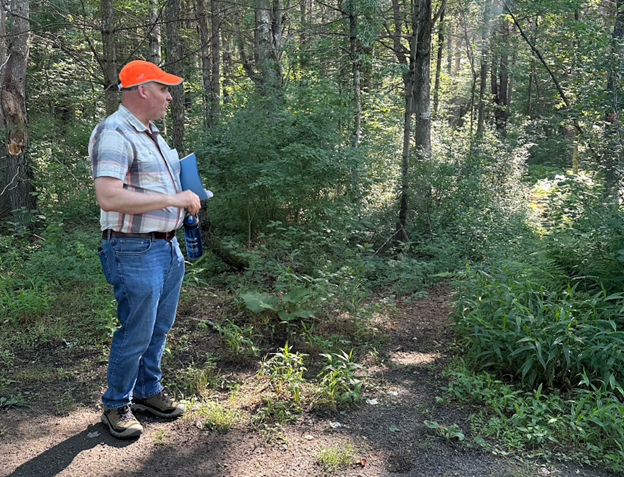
(187, 200)
(112, 196)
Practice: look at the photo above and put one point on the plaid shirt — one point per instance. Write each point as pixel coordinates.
(121, 147)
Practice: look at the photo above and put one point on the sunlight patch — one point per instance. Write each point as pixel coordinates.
(411, 358)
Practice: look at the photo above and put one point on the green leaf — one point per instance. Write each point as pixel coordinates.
(285, 316)
(303, 313)
(258, 302)
(432, 424)
(295, 295)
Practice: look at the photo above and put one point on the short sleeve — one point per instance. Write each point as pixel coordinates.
(111, 155)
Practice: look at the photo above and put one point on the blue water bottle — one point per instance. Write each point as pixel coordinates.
(192, 236)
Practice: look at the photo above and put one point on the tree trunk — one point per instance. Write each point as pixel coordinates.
(109, 61)
(215, 78)
(422, 81)
(5, 201)
(458, 56)
(449, 48)
(484, 66)
(206, 57)
(501, 99)
(529, 94)
(265, 47)
(13, 104)
(408, 82)
(436, 89)
(613, 114)
(355, 70)
(154, 51)
(228, 65)
(174, 66)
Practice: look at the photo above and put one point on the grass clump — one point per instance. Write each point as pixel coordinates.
(335, 458)
(215, 416)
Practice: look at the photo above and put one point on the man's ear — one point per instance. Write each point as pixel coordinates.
(141, 89)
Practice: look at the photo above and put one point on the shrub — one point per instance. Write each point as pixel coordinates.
(514, 326)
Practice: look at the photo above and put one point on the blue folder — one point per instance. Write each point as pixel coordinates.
(189, 177)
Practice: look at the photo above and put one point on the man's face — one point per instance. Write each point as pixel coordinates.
(157, 99)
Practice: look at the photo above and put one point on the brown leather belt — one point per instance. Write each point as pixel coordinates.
(150, 235)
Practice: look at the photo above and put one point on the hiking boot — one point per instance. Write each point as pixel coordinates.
(122, 422)
(159, 405)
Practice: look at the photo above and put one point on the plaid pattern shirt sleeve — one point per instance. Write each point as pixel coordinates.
(121, 147)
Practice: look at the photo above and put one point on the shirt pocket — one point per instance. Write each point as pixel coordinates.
(148, 170)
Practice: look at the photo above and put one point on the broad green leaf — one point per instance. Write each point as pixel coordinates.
(296, 295)
(258, 302)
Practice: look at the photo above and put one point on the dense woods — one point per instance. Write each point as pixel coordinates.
(356, 149)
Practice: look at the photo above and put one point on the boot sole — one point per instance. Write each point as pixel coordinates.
(140, 407)
(126, 434)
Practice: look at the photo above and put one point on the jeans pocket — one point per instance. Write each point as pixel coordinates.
(132, 246)
(105, 267)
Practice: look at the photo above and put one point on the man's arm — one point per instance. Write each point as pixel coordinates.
(111, 196)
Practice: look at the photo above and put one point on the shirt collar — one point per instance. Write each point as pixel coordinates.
(133, 120)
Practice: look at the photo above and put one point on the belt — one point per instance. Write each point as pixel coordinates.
(150, 235)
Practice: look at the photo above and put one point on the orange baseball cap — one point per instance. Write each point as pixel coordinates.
(140, 72)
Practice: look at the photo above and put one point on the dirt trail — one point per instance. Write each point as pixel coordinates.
(386, 433)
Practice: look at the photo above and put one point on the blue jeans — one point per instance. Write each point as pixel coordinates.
(146, 275)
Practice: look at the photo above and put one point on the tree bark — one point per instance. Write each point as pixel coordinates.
(613, 114)
(174, 66)
(206, 59)
(355, 71)
(154, 50)
(436, 88)
(15, 126)
(5, 201)
(215, 78)
(408, 82)
(500, 81)
(266, 48)
(484, 66)
(109, 61)
(449, 48)
(228, 64)
(422, 79)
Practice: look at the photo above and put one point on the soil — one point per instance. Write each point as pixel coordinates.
(59, 432)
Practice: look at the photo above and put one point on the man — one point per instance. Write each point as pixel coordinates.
(137, 184)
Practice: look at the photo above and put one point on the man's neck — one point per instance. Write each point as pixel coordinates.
(137, 114)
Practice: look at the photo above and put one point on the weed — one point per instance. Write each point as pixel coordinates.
(448, 432)
(65, 404)
(335, 458)
(160, 436)
(285, 367)
(339, 382)
(583, 422)
(17, 400)
(275, 412)
(274, 434)
(237, 340)
(199, 380)
(216, 416)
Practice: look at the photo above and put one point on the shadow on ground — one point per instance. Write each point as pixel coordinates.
(58, 458)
